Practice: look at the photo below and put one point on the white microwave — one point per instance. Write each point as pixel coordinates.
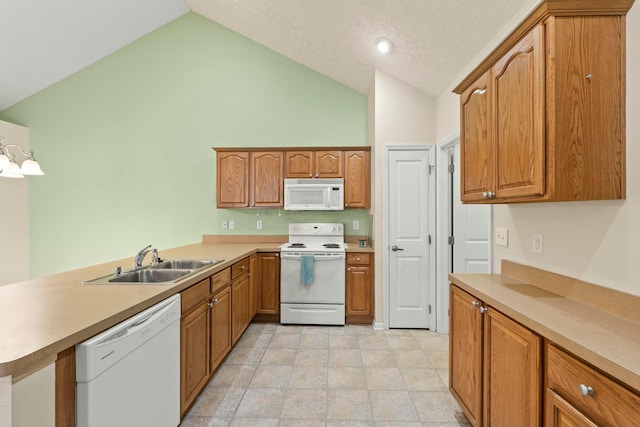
(314, 194)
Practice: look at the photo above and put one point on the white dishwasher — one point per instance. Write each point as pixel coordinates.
(129, 375)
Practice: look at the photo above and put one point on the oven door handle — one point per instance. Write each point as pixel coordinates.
(316, 257)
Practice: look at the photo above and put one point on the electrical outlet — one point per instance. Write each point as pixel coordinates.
(356, 225)
(225, 225)
(502, 236)
(538, 242)
(232, 224)
(259, 224)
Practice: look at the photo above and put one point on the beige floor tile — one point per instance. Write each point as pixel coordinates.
(346, 378)
(254, 341)
(373, 342)
(397, 332)
(289, 329)
(435, 406)
(344, 357)
(217, 402)
(404, 342)
(348, 405)
(270, 328)
(271, 376)
(411, 359)
(444, 376)
(305, 403)
(392, 405)
(433, 343)
(195, 421)
(244, 356)
(314, 341)
(380, 358)
(384, 379)
(315, 330)
(279, 356)
(254, 422)
(233, 376)
(291, 422)
(261, 403)
(343, 341)
(308, 377)
(422, 379)
(366, 330)
(439, 359)
(256, 328)
(399, 424)
(312, 357)
(343, 330)
(350, 423)
(284, 341)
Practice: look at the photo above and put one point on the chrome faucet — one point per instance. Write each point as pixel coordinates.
(143, 252)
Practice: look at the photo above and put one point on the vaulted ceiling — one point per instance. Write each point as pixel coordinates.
(43, 41)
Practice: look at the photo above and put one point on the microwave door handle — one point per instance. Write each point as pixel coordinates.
(327, 203)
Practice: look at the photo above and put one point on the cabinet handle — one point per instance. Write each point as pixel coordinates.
(585, 390)
(475, 304)
(483, 310)
(479, 92)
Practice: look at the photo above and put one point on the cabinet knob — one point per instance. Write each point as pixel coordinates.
(242, 267)
(492, 194)
(475, 304)
(348, 268)
(317, 175)
(485, 194)
(483, 310)
(310, 175)
(585, 390)
(588, 76)
(210, 304)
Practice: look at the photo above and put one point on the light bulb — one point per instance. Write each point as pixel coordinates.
(384, 45)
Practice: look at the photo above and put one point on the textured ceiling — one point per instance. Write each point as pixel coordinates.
(433, 39)
(44, 41)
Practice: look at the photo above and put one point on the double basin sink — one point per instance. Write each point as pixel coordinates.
(165, 272)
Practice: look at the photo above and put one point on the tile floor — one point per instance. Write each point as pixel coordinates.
(330, 376)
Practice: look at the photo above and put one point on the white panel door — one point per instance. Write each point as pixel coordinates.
(409, 228)
(471, 229)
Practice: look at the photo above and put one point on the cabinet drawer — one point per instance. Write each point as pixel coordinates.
(220, 279)
(611, 403)
(358, 259)
(239, 268)
(192, 296)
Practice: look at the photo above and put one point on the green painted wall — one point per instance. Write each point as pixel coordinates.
(126, 142)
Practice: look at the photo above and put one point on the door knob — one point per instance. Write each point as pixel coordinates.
(394, 248)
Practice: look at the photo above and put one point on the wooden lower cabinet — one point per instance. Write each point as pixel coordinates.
(220, 325)
(495, 365)
(359, 288)
(239, 298)
(560, 413)
(254, 286)
(269, 297)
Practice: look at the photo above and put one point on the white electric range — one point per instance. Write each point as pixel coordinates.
(312, 275)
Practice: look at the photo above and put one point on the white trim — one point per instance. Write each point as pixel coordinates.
(378, 326)
(432, 230)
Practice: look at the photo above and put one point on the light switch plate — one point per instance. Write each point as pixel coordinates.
(232, 224)
(225, 225)
(356, 225)
(502, 236)
(538, 243)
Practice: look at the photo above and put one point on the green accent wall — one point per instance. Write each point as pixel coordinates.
(126, 142)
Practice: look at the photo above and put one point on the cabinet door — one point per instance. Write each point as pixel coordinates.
(232, 185)
(359, 299)
(240, 306)
(517, 88)
(194, 355)
(267, 180)
(254, 286)
(512, 373)
(465, 353)
(559, 413)
(328, 164)
(220, 326)
(298, 164)
(269, 302)
(357, 179)
(476, 145)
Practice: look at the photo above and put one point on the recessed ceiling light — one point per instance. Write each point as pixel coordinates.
(384, 45)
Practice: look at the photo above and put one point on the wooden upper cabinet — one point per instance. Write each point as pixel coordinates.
(266, 179)
(518, 110)
(232, 171)
(313, 164)
(357, 179)
(476, 143)
(550, 126)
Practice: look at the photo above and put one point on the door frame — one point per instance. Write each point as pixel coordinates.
(444, 217)
(432, 229)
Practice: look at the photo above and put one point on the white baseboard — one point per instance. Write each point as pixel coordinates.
(378, 326)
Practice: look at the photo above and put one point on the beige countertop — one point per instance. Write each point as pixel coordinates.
(41, 317)
(597, 335)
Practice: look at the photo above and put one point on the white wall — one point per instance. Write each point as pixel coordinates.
(598, 241)
(402, 116)
(14, 212)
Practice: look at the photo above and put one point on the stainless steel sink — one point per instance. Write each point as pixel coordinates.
(190, 264)
(150, 275)
(166, 272)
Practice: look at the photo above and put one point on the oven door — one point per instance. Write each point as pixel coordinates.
(328, 285)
